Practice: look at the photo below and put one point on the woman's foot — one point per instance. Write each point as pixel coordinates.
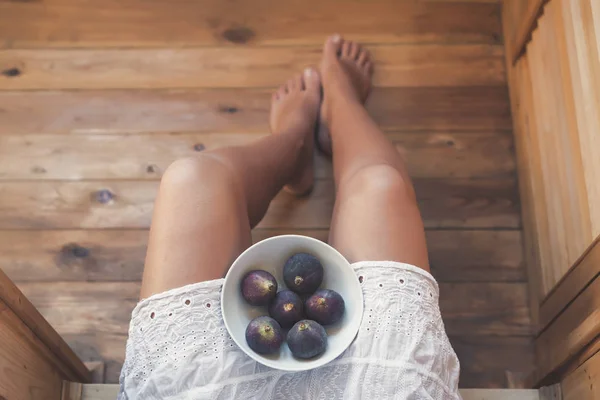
(294, 111)
(346, 71)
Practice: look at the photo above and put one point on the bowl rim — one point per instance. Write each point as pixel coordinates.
(323, 360)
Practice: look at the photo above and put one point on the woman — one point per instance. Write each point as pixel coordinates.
(178, 346)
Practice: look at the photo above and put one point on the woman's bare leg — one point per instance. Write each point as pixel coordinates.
(376, 215)
(207, 205)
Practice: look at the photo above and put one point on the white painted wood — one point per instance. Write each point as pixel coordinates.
(106, 392)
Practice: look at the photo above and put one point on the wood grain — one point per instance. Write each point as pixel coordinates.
(32, 324)
(485, 308)
(583, 383)
(128, 204)
(483, 108)
(582, 35)
(485, 360)
(528, 171)
(218, 67)
(565, 138)
(570, 332)
(93, 307)
(25, 370)
(557, 261)
(487, 256)
(585, 270)
(140, 157)
(524, 15)
(212, 22)
(118, 255)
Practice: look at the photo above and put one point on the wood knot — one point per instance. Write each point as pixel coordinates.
(75, 251)
(38, 170)
(199, 147)
(239, 35)
(450, 143)
(151, 169)
(228, 109)
(103, 196)
(11, 73)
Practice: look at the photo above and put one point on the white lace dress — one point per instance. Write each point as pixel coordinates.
(178, 348)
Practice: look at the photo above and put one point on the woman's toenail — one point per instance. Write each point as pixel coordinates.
(308, 72)
(336, 38)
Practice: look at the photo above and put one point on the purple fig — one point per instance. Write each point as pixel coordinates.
(303, 273)
(264, 335)
(325, 306)
(286, 308)
(307, 339)
(259, 287)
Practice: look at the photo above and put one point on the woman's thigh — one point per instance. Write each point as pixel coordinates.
(376, 218)
(199, 225)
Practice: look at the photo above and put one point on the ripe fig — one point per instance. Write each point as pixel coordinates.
(286, 308)
(325, 306)
(259, 287)
(303, 273)
(264, 335)
(307, 339)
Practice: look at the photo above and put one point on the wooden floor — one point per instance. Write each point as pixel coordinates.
(97, 98)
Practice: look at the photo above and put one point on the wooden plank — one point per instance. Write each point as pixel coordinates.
(71, 391)
(470, 256)
(499, 394)
(474, 203)
(583, 383)
(28, 370)
(89, 307)
(212, 22)
(66, 157)
(584, 271)
(570, 144)
(63, 358)
(224, 67)
(582, 37)
(128, 204)
(574, 363)
(520, 92)
(527, 16)
(118, 255)
(570, 332)
(485, 308)
(483, 108)
(552, 392)
(513, 11)
(530, 171)
(555, 254)
(485, 360)
(109, 392)
(573, 195)
(110, 348)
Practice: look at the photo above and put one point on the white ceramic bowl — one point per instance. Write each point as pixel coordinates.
(270, 255)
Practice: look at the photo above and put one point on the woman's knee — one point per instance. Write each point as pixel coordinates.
(381, 180)
(204, 172)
